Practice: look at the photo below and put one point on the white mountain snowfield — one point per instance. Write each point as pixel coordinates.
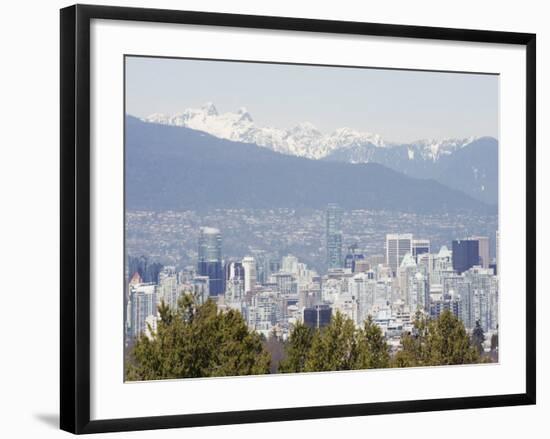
(302, 140)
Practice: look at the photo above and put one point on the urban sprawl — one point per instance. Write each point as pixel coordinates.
(273, 295)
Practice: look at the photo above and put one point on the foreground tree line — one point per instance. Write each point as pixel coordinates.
(201, 341)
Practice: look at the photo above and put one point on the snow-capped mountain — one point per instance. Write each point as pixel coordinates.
(469, 164)
(178, 168)
(433, 149)
(302, 140)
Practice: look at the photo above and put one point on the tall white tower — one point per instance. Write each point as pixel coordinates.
(249, 266)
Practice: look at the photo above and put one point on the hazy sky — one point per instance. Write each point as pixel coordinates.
(397, 104)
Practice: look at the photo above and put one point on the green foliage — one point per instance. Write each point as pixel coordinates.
(339, 346)
(274, 345)
(372, 349)
(441, 341)
(334, 347)
(197, 341)
(200, 341)
(478, 337)
(297, 349)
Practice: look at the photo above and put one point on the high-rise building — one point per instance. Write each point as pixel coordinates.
(484, 307)
(168, 290)
(317, 316)
(142, 304)
(483, 245)
(419, 292)
(361, 266)
(234, 270)
(465, 254)
(420, 247)
(289, 264)
(262, 265)
(441, 264)
(210, 259)
(397, 246)
(249, 266)
(201, 288)
(234, 281)
(274, 266)
(445, 303)
(363, 291)
(334, 236)
(352, 258)
(407, 268)
(286, 284)
(264, 312)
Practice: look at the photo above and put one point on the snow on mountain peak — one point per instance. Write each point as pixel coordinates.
(244, 114)
(305, 126)
(303, 139)
(433, 149)
(210, 109)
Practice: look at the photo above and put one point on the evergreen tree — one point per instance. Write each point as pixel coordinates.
(478, 337)
(274, 345)
(410, 354)
(441, 341)
(297, 349)
(372, 349)
(339, 346)
(197, 341)
(334, 347)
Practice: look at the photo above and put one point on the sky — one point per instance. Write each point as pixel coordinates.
(399, 105)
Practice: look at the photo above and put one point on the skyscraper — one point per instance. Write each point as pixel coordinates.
(142, 304)
(465, 254)
(234, 281)
(352, 257)
(420, 247)
(334, 236)
(317, 316)
(483, 244)
(210, 258)
(397, 246)
(289, 264)
(249, 266)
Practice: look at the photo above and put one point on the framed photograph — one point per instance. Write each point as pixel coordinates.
(268, 218)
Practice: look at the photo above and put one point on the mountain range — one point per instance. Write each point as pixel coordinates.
(468, 164)
(174, 167)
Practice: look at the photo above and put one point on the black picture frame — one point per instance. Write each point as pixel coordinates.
(75, 217)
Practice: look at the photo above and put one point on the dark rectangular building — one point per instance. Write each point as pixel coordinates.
(317, 316)
(465, 254)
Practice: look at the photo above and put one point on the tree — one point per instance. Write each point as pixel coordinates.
(338, 346)
(372, 349)
(297, 349)
(334, 347)
(436, 342)
(448, 342)
(478, 337)
(410, 354)
(413, 352)
(274, 345)
(197, 341)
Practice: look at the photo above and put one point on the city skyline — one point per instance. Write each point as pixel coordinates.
(274, 296)
(259, 244)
